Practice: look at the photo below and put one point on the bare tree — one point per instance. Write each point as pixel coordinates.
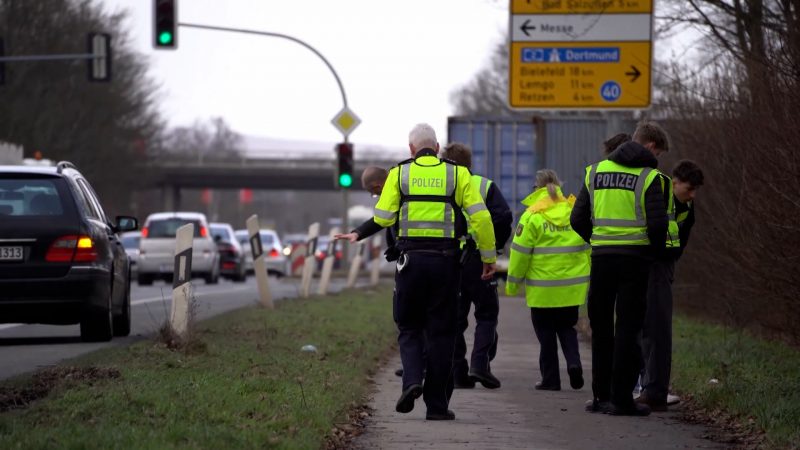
(203, 141)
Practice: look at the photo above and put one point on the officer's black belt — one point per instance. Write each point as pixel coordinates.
(434, 252)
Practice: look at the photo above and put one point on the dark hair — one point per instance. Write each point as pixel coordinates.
(459, 153)
(688, 171)
(648, 131)
(611, 144)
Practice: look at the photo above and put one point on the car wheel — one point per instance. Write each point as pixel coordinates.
(241, 277)
(144, 280)
(211, 278)
(122, 322)
(97, 324)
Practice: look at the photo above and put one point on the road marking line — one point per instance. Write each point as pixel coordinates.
(148, 300)
(199, 294)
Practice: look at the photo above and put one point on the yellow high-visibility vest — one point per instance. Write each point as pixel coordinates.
(617, 193)
(550, 259)
(424, 195)
(673, 238)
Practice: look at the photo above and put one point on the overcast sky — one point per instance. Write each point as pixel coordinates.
(398, 62)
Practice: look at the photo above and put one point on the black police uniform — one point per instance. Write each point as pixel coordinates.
(483, 294)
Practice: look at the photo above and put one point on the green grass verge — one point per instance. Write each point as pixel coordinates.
(245, 385)
(757, 379)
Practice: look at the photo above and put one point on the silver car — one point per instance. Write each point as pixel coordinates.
(274, 258)
(157, 247)
(130, 241)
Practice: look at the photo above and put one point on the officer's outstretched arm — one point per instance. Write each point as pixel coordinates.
(480, 220)
(389, 202)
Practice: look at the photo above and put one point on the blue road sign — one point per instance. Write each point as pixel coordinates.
(610, 91)
(570, 55)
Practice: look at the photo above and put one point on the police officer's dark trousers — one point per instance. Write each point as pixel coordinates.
(657, 331)
(483, 294)
(552, 325)
(618, 284)
(425, 312)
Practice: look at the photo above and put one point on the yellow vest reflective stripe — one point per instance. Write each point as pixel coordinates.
(685, 214)
(673, 237)
(483, 188)
(547, 256)
(427, 200)
(616, 195)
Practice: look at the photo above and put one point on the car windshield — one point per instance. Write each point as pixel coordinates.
(244, 238)
(167, 228)
(221, 233)
(130, 242)
(30, 197)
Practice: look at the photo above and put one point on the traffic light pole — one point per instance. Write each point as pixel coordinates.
(277, 35)
(345, 191)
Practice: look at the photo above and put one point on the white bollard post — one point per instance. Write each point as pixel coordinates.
(376, 261)
(181, 280)
(327, 265)
(311, 261)
(355, 265)
(259, 265)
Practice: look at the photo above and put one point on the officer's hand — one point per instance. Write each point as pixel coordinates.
(488, 271)
(352, 237)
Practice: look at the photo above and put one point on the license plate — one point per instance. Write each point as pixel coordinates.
(11, 254)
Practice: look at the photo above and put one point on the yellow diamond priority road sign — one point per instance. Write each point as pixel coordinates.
(346, 121)
(580, 54)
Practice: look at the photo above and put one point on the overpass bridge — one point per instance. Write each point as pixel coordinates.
(310, 174)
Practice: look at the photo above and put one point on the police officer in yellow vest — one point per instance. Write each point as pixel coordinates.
(551, 262)
(657, 331)
(620, 211)
(426, 196)
(474, 290)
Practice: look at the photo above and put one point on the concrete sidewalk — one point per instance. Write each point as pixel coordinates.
(516, 416)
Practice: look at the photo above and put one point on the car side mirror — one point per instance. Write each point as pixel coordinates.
(126, 223)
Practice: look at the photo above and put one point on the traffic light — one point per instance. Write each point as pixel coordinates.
(165, 24)
(100, 65)
(344, 154)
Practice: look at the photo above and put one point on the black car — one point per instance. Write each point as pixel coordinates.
(61, 261)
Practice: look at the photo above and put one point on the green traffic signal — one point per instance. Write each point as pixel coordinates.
(345, 180)
(165, 38)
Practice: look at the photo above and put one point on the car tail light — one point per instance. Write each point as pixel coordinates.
(274, 253)
(203, 231)
(86, 251)
(144, 232)
(338, 255)
(72, 248)
(229, 265)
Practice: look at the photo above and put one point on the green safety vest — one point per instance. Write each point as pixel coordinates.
(616, 193)
(550, 259)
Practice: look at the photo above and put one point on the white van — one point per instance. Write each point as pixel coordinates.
(157, 247)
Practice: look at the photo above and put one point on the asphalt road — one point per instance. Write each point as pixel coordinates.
(24, 348)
